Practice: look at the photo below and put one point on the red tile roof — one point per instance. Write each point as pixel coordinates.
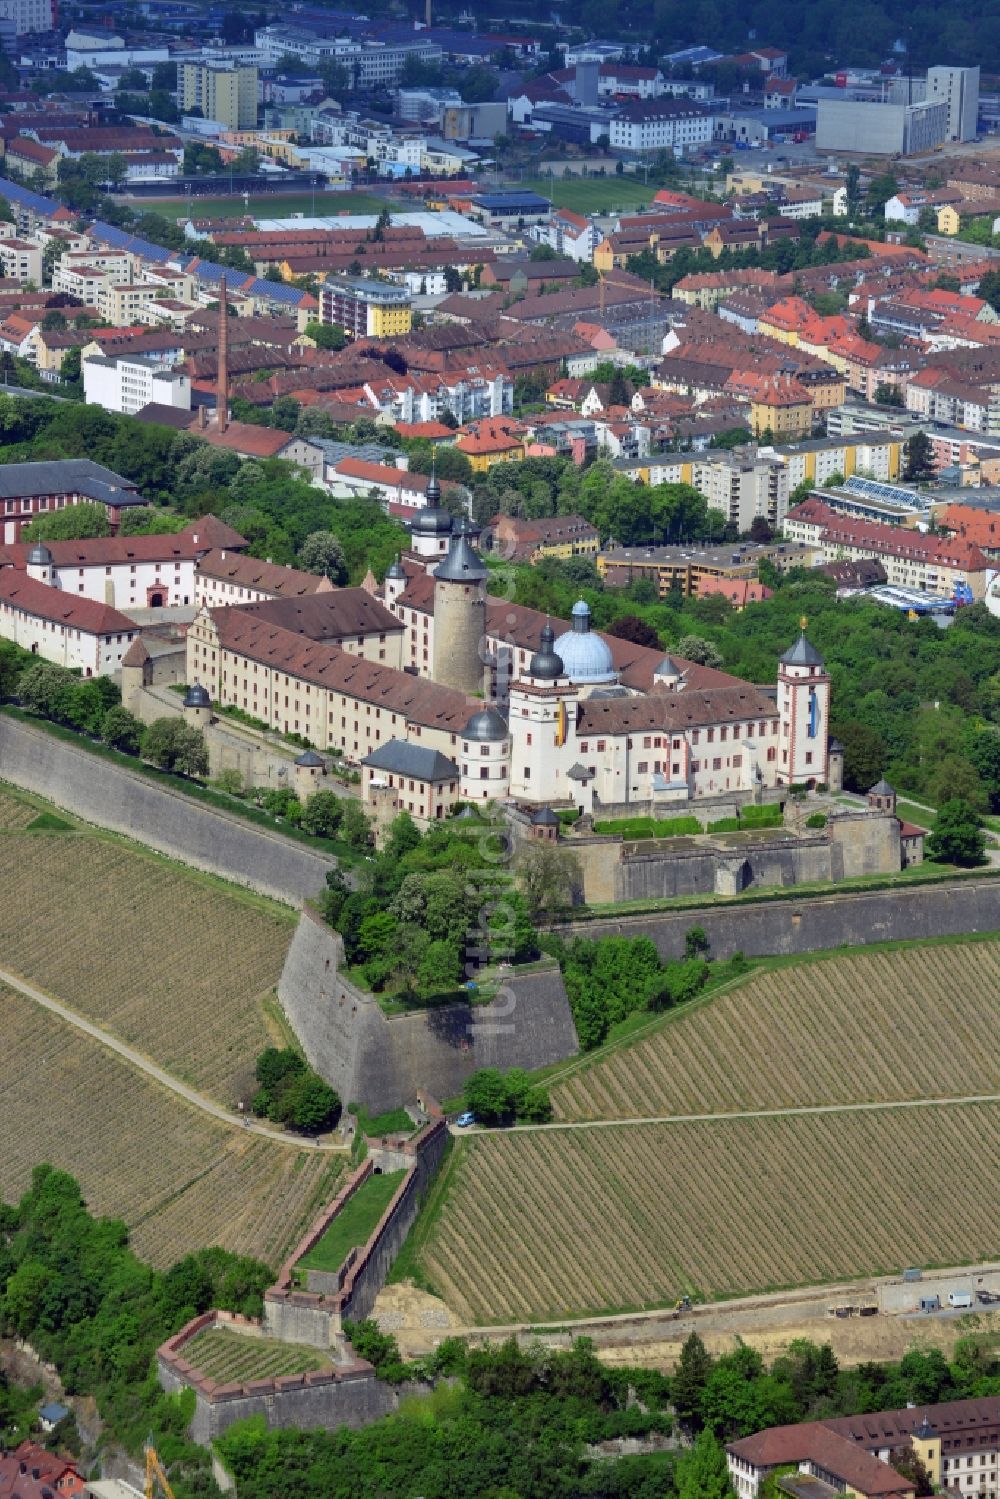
(266, 577)
(415, 699)
(245, 438)
(42, 602)
(29, 1472)
(892, 541)
(814, 1442)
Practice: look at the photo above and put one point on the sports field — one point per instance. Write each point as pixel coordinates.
(593, 194)
(174, 963)
(262, 205)
(180, 1179)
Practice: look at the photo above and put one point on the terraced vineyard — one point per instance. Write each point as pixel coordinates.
(542, 1225)
(874, 1027)
(174, 964)
(179, 1178)
(15, 814)
(231, 1357)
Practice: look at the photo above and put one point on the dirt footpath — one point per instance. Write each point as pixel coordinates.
(420, 1321)
(853, 1340)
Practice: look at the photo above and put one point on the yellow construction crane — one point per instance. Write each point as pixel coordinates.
(155, 1474)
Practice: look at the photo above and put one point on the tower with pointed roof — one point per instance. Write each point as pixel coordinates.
(432, 527)
(543, 703)
(804, 716)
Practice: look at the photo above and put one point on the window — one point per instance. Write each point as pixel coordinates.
(642, 767)
(716, 764)
(527, 772)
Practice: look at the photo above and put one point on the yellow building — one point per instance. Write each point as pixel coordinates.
(222, 92)
(949, 220)
(816, 461)
(490, 441)
(782, 408)
(364, 307)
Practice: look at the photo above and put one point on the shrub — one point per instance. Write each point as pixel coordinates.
(172, 744)
(292, 1093)
(231, 781)
(322, 814)
(496, 1097)
(816, 820)
(121, 730)
(650, 827)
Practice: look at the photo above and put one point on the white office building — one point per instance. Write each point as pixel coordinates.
(29, 15)
(959, 89)
(127, 384)
(676, 125)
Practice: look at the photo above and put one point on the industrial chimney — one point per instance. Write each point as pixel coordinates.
(222, 392)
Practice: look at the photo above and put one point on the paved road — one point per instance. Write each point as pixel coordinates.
(136, 1059)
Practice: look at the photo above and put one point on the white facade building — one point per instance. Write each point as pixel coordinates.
(20, 259)
(123, 572)
(661, 125)
(128, 384)
(959, 89)
(71, 631)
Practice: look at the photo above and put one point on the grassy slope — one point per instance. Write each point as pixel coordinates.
(354, 1224)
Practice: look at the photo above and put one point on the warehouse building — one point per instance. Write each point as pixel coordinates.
(881, 129)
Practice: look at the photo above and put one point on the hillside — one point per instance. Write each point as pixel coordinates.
(180, 1179)
(868, 1028)
(176, 965)
(172, 962)
(789, 1132)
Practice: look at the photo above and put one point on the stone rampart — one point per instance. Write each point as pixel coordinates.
(332, 1297)
(817, 922)
(347, 1394)
(379, 1061)
(111, 796)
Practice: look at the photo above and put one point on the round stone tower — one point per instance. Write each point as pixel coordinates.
(307, 774)
(485, 764)
(459, 618)
(197, 706)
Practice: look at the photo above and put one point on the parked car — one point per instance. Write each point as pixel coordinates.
(464, 1120)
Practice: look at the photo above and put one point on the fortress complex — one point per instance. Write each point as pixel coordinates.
(445, 693)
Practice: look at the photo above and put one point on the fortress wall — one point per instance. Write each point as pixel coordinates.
(810, 924)
(380, 1061)
(127, 802)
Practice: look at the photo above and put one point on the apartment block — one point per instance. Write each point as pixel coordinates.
(222, 91)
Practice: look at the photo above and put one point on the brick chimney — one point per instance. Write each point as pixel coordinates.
(222, 393)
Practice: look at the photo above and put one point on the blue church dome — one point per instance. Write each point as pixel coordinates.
(585, 656)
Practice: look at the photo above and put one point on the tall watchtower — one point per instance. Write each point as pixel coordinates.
(804, 713)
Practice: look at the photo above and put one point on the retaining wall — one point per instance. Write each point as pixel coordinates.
(378, 1061)
(816, 922)
(348, 1395)
(107, 794)
(347, 1294)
